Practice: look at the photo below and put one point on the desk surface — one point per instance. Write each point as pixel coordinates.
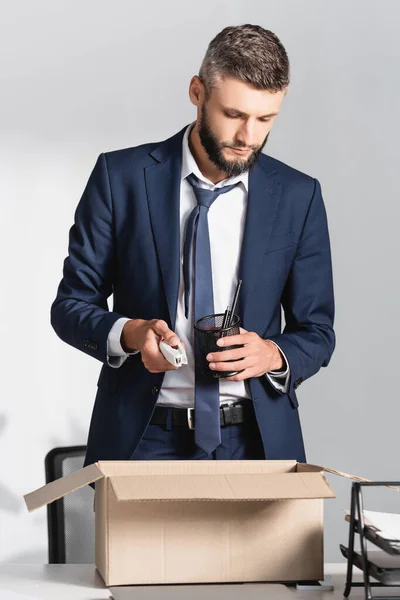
(82, 582)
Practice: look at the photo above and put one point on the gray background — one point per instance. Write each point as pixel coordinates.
(80, 78)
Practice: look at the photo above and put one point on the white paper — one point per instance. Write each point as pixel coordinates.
(388, 524)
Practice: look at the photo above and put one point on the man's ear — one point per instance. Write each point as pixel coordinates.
(196, 91)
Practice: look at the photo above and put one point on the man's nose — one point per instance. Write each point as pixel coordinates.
(246, 135)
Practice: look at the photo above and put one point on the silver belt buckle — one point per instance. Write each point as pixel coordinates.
(190, 420)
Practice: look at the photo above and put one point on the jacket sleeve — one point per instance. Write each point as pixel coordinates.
(308, 339)
(79, 314)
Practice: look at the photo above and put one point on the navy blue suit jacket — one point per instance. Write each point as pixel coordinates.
(125, 241)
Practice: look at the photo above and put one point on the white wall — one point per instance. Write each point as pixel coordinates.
(80, 78)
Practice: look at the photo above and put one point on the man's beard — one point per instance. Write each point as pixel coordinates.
(214, 149)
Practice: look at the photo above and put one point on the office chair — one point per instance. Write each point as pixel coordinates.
(70, 520)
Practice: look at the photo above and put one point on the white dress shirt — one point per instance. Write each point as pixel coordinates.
(226, 220)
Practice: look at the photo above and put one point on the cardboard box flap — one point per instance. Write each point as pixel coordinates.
(114, 468)
(63, 486)
(309, 468)
(304, 466)
(277, 486)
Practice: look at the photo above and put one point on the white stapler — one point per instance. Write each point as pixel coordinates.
(176, 356)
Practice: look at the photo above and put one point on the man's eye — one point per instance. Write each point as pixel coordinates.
(231, 116)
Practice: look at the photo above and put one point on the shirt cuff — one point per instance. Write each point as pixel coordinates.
(280, 373)
(116, 355)
(280, 379)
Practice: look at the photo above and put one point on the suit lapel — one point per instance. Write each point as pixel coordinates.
(262, 205)
(163, 180)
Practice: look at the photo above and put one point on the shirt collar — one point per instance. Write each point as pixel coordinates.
(189, 166)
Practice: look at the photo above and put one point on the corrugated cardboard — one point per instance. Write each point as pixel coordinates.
(202, 521)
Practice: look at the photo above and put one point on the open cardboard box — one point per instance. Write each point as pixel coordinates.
(202, 521)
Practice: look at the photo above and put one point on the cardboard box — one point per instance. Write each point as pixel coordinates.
(202, 521)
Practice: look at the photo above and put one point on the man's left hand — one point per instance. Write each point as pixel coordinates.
(255, 358)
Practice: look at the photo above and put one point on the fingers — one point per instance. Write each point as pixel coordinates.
(168, 368)
(235, 354)
(237, 365)
(158, 364)
(243, 338)
(161, 328)
(240, 376)
(152, 357)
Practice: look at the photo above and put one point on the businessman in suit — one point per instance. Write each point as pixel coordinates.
(168, 228)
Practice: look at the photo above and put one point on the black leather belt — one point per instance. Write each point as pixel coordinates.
(230, 414)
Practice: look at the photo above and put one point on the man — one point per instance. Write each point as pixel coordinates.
(143, 234)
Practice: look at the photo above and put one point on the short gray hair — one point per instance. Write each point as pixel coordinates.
(248, 53)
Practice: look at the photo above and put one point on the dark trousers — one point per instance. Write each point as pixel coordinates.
(165, 442)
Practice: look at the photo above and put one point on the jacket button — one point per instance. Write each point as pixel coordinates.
(155, 390)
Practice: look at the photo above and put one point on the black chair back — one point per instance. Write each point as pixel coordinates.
(70, 520)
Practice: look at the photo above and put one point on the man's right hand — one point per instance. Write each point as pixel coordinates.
(145, 336)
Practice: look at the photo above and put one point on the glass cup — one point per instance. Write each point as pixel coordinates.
(207, 331)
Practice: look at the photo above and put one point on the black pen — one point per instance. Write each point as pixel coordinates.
(235, 299)
(226, 319)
